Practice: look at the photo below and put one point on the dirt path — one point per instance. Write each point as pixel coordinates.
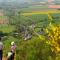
(4, 58)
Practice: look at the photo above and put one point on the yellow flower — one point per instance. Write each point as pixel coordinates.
(54, 34)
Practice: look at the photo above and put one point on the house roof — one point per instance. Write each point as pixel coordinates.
(54, 6)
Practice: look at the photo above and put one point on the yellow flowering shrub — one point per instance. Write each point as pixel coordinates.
(54, 35)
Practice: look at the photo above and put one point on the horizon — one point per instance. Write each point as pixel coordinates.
(25, 0)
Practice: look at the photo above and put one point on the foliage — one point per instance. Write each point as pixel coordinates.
(40, 47)
(54, 34)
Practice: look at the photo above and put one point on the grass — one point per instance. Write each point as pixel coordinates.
(3, 17)
(7, 28)
(7, 44)
(20, 44)
(56, 15)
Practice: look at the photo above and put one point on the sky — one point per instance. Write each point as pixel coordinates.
(25, 0)
(22, 0)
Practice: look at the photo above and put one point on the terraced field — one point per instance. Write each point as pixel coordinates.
(42, 12)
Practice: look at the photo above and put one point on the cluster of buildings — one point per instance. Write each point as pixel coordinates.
(54, 4)
(51, 3)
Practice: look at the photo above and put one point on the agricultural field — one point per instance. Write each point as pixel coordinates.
(35, 8)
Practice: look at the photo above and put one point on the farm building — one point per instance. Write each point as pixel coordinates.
(52, 4)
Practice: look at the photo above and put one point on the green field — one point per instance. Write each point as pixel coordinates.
(35, 8)
(7, 28)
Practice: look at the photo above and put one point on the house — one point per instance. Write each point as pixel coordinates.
(54, 6)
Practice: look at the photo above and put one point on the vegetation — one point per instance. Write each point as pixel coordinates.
(44, 41)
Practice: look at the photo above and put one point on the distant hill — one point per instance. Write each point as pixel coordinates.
(22, 3)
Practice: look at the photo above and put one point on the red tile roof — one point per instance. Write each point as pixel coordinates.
(54, 6)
